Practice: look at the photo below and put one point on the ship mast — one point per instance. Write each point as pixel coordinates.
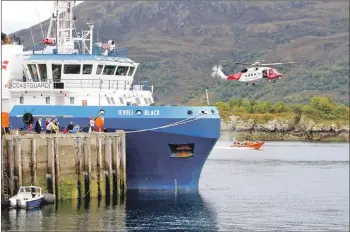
(64, 20)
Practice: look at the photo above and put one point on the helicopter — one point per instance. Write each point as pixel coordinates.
(252, 75)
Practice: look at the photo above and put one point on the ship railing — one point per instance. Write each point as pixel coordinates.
(76, 84)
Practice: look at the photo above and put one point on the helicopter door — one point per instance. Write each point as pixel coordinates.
(264, 72)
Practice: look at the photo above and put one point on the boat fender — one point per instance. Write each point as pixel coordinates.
(48, 198)
(28, 118)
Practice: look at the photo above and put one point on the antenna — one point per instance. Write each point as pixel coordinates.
(206, 91)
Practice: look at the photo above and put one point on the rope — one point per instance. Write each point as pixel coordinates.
(9, 181)
(184, 121)
(36, 9)
(30, 29)
(86, 194)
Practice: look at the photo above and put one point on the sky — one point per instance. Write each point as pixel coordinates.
(17, 15)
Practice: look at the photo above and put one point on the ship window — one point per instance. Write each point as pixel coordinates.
(21, 100)
(112, 99)
(47, 100)
(43, 72)
(72, 68)
(109, 101)
(122, 70)
(121, 100)
(138, 101)
(71, 100)
(109, 70)
(87, 68)
(33, 72)
(146, 100)
(99, 69)
(56, 72)
(131, 71)
(150, 100)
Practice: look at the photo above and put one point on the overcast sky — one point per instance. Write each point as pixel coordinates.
(17, 15)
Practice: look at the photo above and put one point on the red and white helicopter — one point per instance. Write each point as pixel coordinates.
(250, 75)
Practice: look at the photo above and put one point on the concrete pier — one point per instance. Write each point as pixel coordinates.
(71, 166)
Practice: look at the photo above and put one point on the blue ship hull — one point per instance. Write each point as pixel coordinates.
(151, 163)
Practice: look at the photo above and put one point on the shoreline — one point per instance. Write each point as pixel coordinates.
(296, 136)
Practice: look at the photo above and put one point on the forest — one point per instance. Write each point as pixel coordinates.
(319, 109)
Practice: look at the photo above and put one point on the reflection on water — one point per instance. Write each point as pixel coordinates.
(169, 211)
(139, 211)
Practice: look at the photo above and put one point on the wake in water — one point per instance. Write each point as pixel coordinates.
(234, 148)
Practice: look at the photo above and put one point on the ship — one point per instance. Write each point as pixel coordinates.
(72, 78)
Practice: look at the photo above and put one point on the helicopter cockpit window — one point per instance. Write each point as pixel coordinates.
(244, 70)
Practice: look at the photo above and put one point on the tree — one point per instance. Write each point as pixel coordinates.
(252, 103)
(321, 103)
(278, 107)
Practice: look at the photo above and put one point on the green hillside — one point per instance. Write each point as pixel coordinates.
(177, 43)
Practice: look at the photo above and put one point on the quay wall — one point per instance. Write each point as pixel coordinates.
(70, 166)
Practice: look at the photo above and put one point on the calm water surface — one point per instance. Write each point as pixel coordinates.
(286, 186)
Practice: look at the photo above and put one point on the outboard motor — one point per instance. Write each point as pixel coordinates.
(28, 118)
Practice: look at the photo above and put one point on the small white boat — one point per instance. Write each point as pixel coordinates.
(27, 197)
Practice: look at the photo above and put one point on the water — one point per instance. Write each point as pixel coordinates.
(287, 186)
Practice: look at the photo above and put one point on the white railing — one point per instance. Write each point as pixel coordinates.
(74, 84)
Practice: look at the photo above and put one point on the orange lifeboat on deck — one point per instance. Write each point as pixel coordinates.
(248, 144)
(49, 41)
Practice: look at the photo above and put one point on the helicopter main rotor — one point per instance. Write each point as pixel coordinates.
(258, 64)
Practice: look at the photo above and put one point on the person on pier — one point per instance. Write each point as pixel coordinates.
(38, 126)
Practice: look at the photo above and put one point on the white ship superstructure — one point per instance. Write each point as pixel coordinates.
(68, 72)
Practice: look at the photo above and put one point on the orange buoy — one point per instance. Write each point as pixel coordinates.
(99, 122)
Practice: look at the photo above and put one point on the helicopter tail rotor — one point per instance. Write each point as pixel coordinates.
(217, 73)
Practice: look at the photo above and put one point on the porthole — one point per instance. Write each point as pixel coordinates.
(212, 111)
(138, 112)
(102, 112)
(189, 112)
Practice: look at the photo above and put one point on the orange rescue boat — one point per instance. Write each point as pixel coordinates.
(248, 144)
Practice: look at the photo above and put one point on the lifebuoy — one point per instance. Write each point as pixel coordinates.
(28, 118)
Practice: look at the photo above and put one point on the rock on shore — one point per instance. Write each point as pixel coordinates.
(287, 129)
